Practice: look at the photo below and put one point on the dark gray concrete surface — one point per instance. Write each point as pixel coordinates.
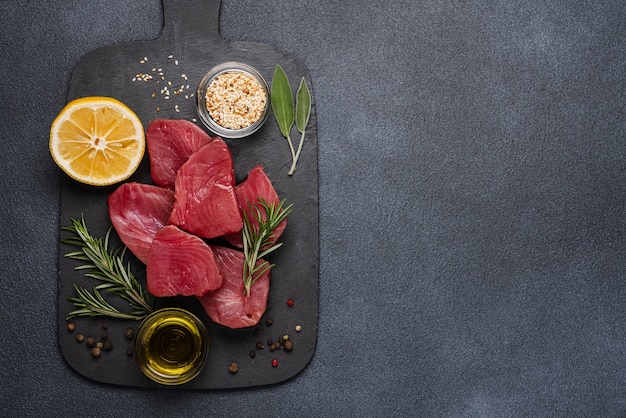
(472, 167)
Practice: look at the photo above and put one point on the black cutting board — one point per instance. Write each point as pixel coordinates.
(188, 47)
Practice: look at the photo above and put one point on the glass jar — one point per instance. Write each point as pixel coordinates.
(171, 346)
(233, 100)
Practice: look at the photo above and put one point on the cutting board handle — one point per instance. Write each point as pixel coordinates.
(199, 17)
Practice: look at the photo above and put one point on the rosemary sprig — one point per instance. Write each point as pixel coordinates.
(257, 237)
(107, 266)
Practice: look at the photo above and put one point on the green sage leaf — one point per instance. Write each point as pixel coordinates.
(282, 101)
(303, 106)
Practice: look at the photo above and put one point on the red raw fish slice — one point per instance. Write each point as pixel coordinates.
(181, 264)
(138, 211)
(228, 305)
(170, 143)
(256, 185)
(206, 204)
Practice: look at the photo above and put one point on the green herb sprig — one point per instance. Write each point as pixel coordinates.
(107, 266)
(257, 237)
(286, 114)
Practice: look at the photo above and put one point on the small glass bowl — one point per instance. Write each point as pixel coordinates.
(171, 346)
(204, 113)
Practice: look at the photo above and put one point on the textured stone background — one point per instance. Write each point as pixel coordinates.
(472, 195)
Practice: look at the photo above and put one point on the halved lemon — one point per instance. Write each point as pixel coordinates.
(97, 140)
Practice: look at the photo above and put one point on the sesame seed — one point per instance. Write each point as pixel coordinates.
(235, 100)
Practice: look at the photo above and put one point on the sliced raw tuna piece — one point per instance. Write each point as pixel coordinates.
(256, 185)
(206, 204)
(180, 264)
(170, 143)
(137, 212)
(228, 305)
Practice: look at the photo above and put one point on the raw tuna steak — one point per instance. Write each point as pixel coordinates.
(228, 305)
(180, 264)
(206, 204)
(256, 185)
(170, 143)
(137, 212)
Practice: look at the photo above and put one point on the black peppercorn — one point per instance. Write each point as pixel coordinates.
(259, 346)
(104, 336)
(91, 342)
(130, 334)
(288, 345)
(80, 338)
(129, 352)
(105, 326)
(252, 354)
(108, 345)
(71, 327)
(95, 352)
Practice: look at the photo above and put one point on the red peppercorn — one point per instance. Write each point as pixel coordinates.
(290, 302)
(274, 363)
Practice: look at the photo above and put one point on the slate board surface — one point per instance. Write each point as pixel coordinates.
(189, 46)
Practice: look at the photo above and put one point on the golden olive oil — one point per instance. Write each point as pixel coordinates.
(171, 346)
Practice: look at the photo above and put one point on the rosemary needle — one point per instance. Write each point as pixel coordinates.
(107, 266)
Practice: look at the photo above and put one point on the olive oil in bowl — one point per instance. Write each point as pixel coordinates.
(171, 346)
